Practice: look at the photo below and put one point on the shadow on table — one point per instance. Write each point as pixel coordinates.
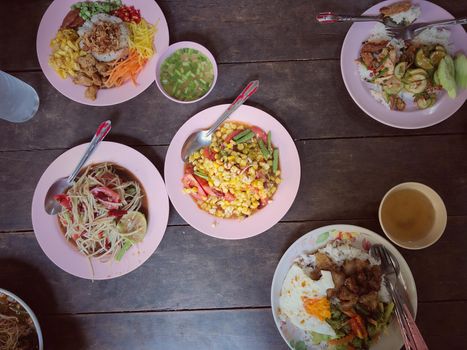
(32, 286)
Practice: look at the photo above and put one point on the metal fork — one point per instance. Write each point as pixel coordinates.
(413, 339)
(410, 32)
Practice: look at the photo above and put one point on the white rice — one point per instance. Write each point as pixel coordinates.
(434, 36)
(365, 73)
(379, 33)
(408, 16)
(341, 252)
(378, 96)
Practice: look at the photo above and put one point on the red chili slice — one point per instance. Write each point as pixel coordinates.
(63, 200)
(117, 212)
(209, 154)
(232, 135)
(260, 133)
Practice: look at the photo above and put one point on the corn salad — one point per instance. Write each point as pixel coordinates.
(236, 175)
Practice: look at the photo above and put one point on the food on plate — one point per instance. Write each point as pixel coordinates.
(104, 212)
(101, 45)
(187, 74)
(408, 74)
(237, 174)
(336, 295)
(17, 330)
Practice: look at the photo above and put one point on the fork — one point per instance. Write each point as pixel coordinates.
(410, 32)
(413, 339)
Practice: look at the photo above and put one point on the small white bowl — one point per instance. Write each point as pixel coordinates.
(34, 319)
(185, 45)
(439, 224)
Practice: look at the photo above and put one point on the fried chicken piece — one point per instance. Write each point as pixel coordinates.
(103, 68)
(96, 79)
(324, 262)
(373, 46)
(331, 293)
(370, 300)
(395, 8)
(355, 265)
(351, 284)
(396, 103)
(374, 278)
(315, 274)
(346, 295)
(338, 277)
(82, 79)
(91, 92)
(86, 62)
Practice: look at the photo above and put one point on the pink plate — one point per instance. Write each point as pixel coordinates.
(263, 219)
(61, 252)
(51, 22)
(415, 119)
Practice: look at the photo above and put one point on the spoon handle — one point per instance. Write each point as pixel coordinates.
(101, 132)
(249, 90)
(330, 17)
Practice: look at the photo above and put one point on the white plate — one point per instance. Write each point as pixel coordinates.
(310, 242)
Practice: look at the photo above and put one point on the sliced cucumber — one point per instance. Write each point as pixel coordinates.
(400, 69)
(436, 78)
(446, 76)
(393, 86)
(461, 70)
(422, 61)
(424, 102)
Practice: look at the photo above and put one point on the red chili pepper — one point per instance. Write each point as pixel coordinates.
(358, 327)
(209, 154)
(128, 14)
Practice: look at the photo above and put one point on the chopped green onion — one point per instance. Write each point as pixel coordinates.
(269, 141)
(245, 138)
(263, 148)
(127, 245)
(243, 133)
(202, 175)
(275, 160)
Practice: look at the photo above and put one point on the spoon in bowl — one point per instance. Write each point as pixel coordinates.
(203, 138)
(51, 205)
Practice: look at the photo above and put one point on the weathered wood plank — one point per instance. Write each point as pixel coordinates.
(440, 324)
(309, 98)
(341, 179)
(193, 271)
(235, 31)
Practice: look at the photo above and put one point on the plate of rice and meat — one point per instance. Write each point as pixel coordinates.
(328, 292)
(101, 52)
(113, 216)
(242, 183)
(406, 84)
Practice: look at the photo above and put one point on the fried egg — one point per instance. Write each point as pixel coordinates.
(304, 300)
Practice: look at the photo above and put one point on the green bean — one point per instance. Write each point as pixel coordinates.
(264, 150)
(275, 160)
(245, 138)
(243, 133)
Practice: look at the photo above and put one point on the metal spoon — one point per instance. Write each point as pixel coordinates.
(330, 17)
(52, 207)
(203, 138)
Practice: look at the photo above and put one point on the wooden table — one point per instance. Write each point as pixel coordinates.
(198, 292)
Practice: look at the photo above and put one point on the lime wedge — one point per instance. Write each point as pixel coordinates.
(133, 223)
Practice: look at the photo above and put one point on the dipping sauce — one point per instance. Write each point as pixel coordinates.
(407, 215)
(186, 75)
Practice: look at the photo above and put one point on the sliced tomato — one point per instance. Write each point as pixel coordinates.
(263, 202)
(209, 154)
(232, 135)
(208, 189)
(229, 197)
(260, 133)
(189, 169)
(63, 200)
(75, 236)
(106, 194)
(117, 213)
(189, 181)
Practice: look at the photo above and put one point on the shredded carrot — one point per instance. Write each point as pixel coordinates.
(126, 69)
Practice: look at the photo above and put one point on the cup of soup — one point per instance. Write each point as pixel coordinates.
(412, 215)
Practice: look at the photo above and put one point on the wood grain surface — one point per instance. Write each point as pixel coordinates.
(197, 292)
